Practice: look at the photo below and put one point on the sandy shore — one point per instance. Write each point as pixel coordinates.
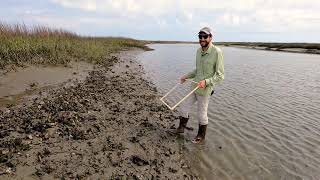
(109, 126)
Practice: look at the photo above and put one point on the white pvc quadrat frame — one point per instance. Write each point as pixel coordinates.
(173, 107)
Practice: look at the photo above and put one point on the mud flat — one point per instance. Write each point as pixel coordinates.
(109, 126)
(291, 50)
(307, 48)
(18, 83)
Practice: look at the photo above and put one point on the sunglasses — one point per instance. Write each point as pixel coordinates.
(205, 36)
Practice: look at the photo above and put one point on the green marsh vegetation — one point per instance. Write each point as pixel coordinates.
(40, 45)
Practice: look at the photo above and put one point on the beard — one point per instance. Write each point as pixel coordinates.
(204, 44)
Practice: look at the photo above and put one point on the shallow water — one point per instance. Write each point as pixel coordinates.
(15, 85)
(264, 119)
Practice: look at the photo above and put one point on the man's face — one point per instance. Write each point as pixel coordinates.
(204, 39)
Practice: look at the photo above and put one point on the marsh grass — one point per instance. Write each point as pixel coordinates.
(21, 45)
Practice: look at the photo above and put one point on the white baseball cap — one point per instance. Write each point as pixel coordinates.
(206, 30)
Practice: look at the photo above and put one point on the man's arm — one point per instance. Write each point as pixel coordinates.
(191, 74)
(219, 71)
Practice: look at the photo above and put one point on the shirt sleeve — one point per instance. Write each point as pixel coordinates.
(218, 76)
(191, 74)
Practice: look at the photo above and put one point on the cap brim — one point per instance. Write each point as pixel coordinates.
(205, 32)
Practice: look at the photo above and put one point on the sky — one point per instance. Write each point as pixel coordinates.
(230, 20)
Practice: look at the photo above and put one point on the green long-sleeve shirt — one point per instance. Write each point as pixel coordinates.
(209, 67)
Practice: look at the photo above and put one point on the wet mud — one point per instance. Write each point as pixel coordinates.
(109, 126)
(28, 80)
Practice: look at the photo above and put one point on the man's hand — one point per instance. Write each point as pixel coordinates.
(202, 84)
(183, 79)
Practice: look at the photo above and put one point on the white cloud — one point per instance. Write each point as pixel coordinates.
(51, 21)
(120, 7)
(266, 13)
(188, 16)
(86, 5)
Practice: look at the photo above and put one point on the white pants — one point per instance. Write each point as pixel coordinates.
(202, 105)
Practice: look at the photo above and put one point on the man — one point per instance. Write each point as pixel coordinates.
(209, 72)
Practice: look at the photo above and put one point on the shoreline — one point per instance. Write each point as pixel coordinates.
(304, 48)
(290, 50)
(111, 125)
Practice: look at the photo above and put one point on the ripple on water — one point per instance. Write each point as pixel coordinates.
(264, 120)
